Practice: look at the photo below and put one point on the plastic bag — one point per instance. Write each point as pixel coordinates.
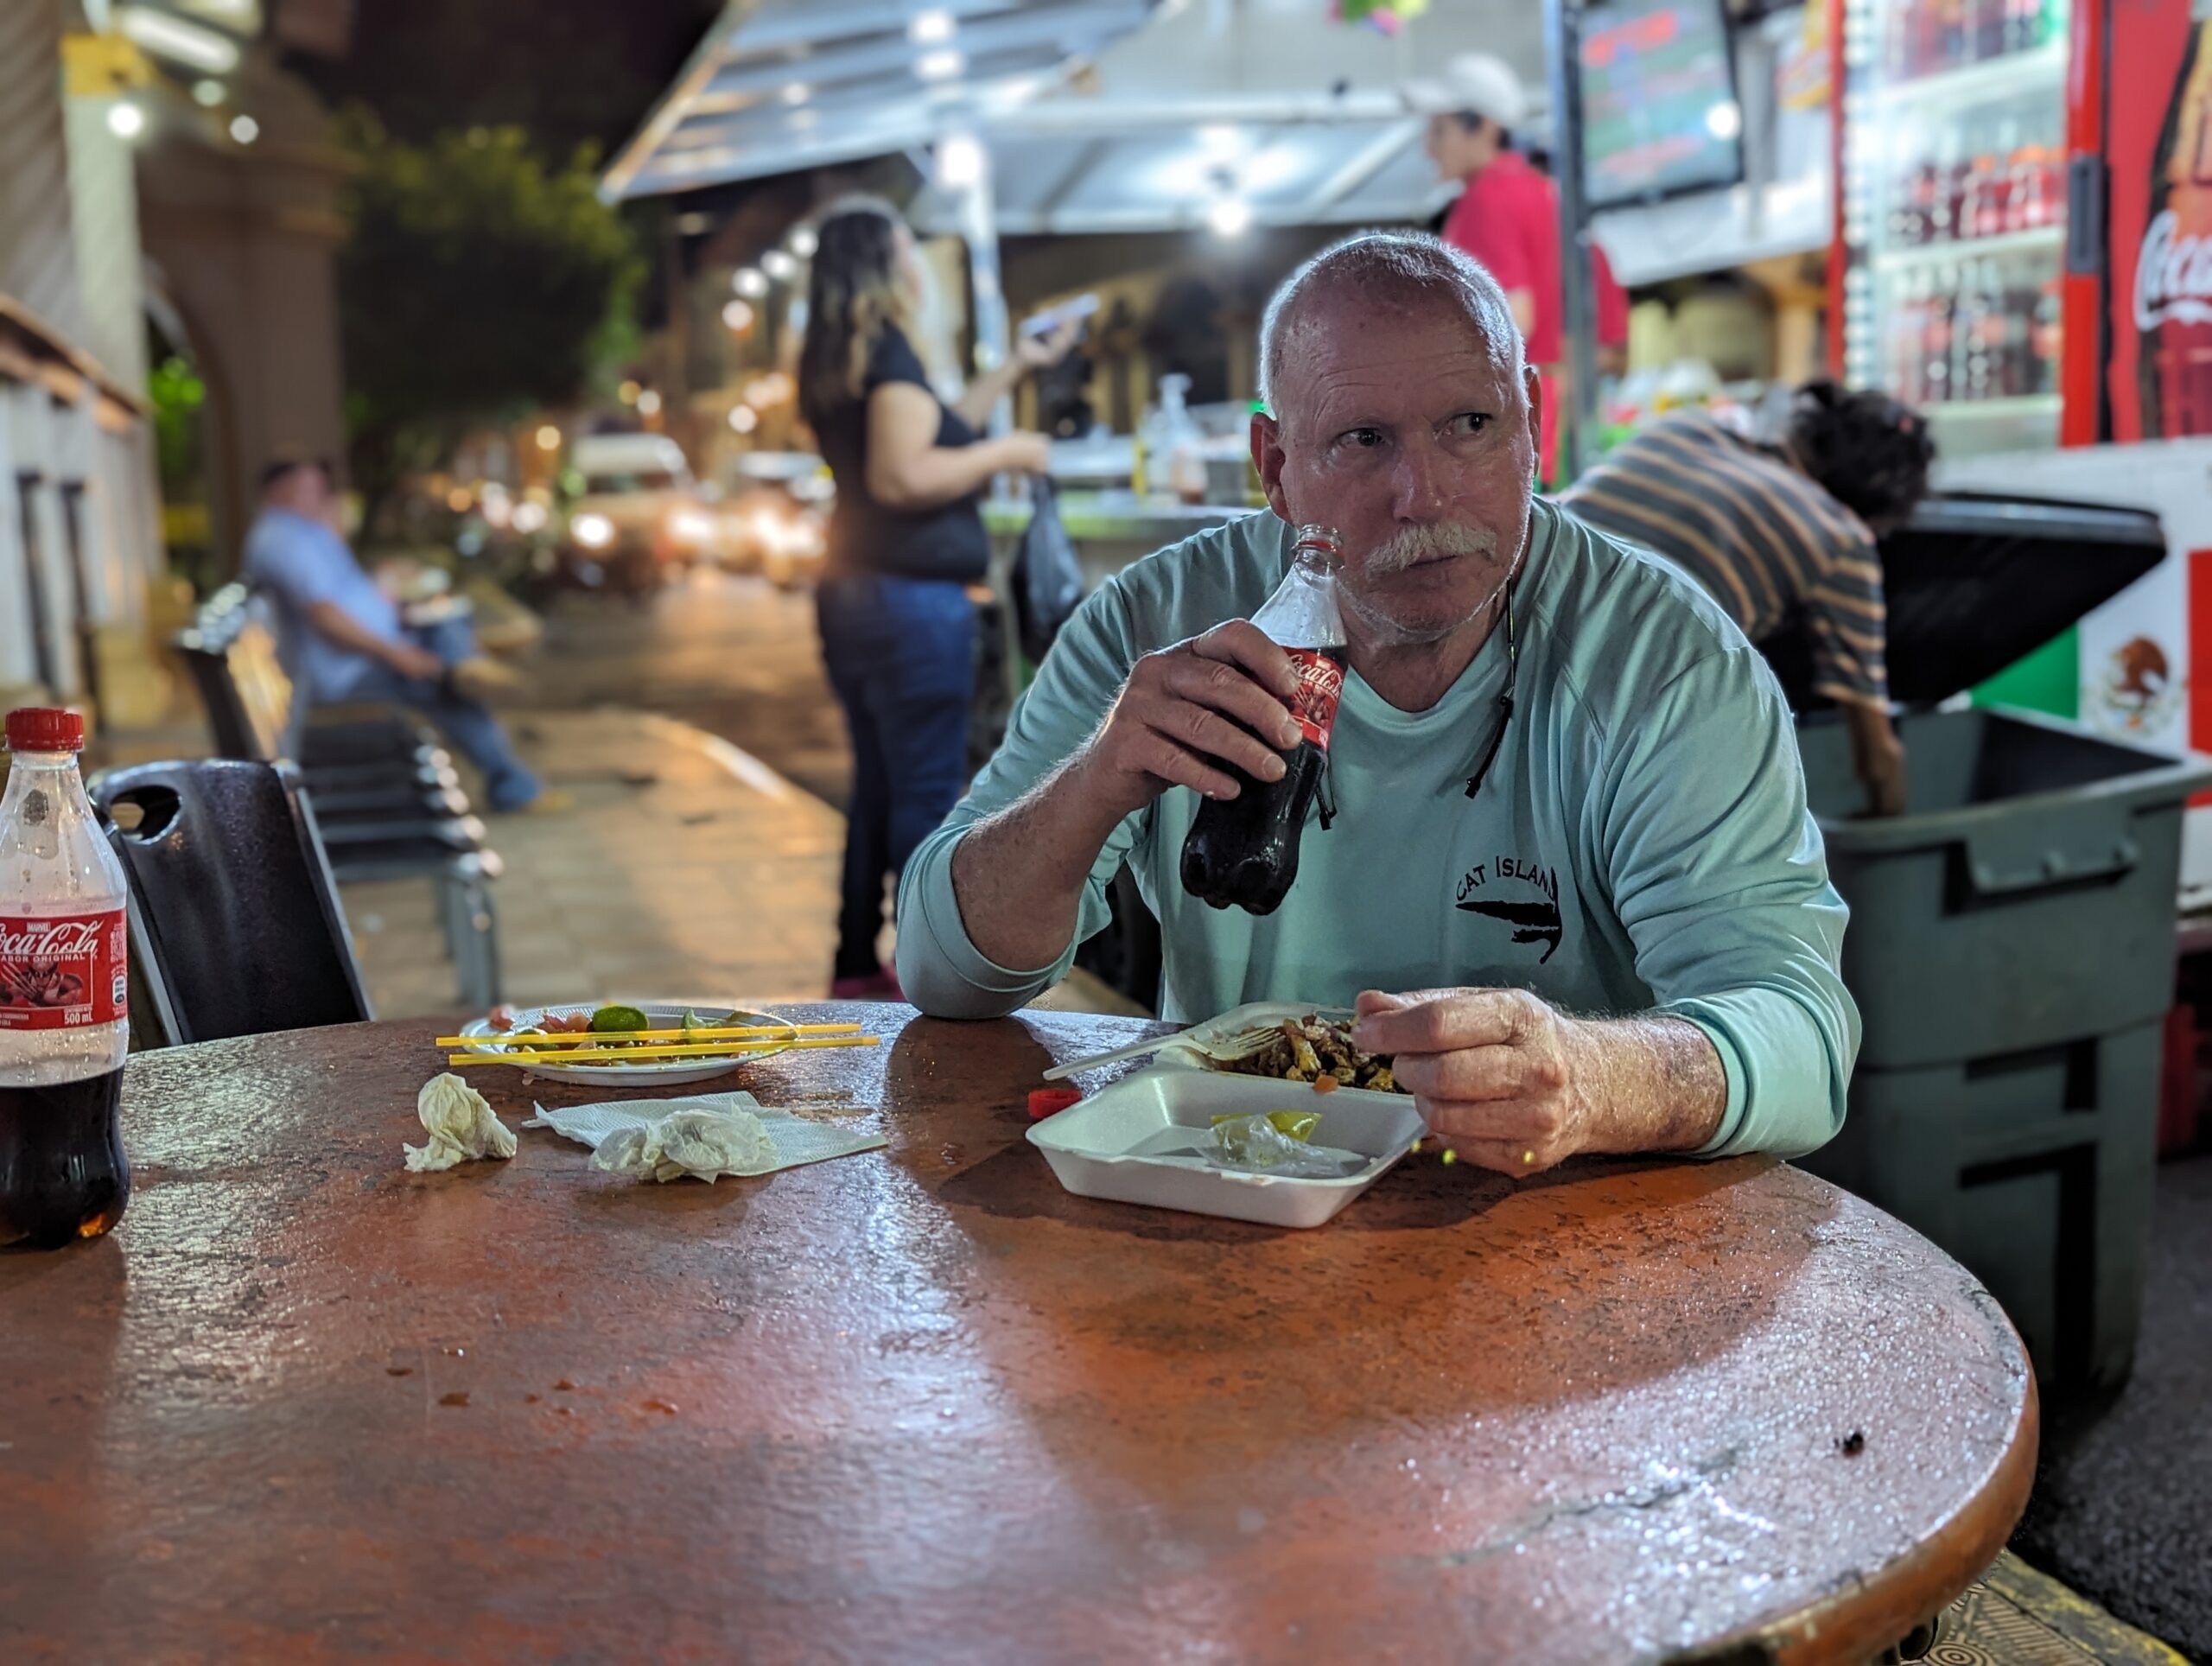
(1047, 578)
(1264, 1144)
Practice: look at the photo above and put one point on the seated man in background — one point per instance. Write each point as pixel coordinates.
(1783, 536)
(1571, 878)
(340, 638)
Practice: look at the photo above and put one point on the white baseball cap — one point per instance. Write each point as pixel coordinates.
(1474, 84)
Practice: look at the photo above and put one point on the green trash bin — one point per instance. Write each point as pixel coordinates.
(2011, 951)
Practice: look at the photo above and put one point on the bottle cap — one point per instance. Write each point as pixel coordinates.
(45, 729)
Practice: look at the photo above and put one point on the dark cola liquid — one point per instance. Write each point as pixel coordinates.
(62, 1173)
(1242, 852)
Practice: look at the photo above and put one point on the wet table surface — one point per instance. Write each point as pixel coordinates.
(920, 1403)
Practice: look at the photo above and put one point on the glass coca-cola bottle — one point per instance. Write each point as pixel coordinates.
(1242, 852)
(64, 1027)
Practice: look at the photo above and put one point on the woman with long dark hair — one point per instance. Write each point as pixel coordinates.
(906, 541)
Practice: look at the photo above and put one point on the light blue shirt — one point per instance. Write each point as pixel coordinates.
(1641, 843)
(297, 563)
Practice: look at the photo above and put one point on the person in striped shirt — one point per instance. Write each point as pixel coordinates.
(1783, 536)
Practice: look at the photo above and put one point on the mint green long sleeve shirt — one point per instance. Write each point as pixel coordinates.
(1641, 843)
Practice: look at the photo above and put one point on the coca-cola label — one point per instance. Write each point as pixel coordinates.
(2173, 276)
(63, 971)
(1320, 685)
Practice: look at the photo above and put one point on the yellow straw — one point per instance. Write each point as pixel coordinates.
(601, 1038)
(633, 1055)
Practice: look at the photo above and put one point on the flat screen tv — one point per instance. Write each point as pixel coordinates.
(1659, 110)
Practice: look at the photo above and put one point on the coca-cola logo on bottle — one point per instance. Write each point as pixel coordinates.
(64, 939)
(2173, 279)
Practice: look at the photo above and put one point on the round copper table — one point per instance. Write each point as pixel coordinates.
(920, 1403)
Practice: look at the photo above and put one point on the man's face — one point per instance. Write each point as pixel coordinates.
(1397, 425)
(303, 490)
(1459, 148)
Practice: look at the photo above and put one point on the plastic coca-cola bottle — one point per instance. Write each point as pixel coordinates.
(2173, 271)
(1243, 851)
(64, 1027)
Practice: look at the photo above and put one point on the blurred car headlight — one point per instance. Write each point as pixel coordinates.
(691, 527)
(592, 531)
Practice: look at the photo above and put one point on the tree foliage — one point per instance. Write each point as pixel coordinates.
(478, 282)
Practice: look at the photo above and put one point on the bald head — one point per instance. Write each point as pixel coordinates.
(1376, 270)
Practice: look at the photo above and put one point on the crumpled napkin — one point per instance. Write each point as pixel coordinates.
(707, 1134)
(701, 1140)
(461, 1124)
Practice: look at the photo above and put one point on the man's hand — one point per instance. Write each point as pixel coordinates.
(1493, 1072)
(1507, 1082)
(417, 664)
(1186, 711)
(1877, 758)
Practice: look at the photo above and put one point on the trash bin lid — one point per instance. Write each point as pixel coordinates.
(1975, 581)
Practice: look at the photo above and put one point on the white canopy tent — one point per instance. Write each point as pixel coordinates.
(1099, 115)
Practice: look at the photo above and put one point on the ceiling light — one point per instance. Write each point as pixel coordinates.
(1724, 120)
(167, 36)
(648, 403)
(798, 93)
(959, 159)
(1231, 217)
(779, 266)
(246, 130)
(932, 28)
(208, 94)
(939, 65)
(749, 280)
(125, 120)
(804, 242)
(738, 315)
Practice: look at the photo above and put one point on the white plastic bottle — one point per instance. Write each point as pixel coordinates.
(64, 1013)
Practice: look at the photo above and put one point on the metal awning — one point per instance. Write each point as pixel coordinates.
(1179, 103)
(780, 86)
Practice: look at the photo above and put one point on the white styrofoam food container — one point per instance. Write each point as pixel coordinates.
(1132, 1142)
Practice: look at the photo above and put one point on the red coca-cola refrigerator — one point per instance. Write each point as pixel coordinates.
(2024, 248)
(2024, 216)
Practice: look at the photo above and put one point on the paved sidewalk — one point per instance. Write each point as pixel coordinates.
(683, 869)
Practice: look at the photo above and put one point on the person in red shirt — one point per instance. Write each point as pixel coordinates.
(1508, 216)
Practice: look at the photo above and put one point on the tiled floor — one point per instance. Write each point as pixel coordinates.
(681, 868)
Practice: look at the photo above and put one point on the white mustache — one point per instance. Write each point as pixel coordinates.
(1415, 544)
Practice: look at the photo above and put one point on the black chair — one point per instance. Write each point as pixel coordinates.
(388, 803)
(235, 926)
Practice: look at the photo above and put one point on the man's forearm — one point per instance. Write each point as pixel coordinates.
(1648, 1084)
(1019, 875)
(334, 624)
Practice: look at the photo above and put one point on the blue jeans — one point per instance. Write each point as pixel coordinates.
(466, 723)
(901, 656)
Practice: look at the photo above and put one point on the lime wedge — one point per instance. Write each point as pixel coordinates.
(614, 1020)
(1291, 1124)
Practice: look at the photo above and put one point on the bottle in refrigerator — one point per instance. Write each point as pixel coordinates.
(2173, 273)
(64, 1022)
(2046, 339)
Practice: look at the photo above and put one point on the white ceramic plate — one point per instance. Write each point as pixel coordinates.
(659, 1073)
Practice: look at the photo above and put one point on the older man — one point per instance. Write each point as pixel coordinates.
(339, 638)
(1618, 937)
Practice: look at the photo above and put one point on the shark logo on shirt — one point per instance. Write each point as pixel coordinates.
(1535, 920)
